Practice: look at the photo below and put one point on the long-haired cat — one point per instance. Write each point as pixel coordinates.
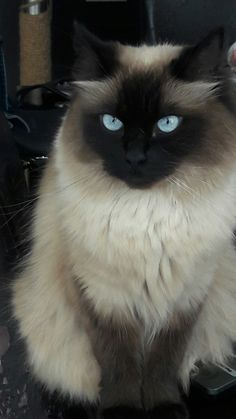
(131, 277)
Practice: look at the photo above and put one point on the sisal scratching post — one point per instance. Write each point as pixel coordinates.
(35, 42)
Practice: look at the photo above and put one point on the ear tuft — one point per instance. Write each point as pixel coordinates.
(95, 59)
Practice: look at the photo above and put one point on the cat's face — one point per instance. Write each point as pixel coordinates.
(144, 111)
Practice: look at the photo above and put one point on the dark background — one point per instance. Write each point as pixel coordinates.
(175, 20)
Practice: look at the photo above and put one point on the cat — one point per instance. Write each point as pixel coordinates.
(131, 279)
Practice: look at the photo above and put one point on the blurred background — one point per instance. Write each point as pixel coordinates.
(131, 21)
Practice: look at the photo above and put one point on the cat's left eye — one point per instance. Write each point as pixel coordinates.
(169, 123)
(111, 123)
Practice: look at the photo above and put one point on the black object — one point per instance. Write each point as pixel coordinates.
(36, 139)
(41, 107)
(214, 380)
(13, 192)
(53, 94)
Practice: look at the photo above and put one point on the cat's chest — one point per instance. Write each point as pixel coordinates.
(136, 232)
(131, 260)
(134, 239)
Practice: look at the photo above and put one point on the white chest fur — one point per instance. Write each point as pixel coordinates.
(142, 251)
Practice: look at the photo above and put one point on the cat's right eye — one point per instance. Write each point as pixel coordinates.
(111, 123)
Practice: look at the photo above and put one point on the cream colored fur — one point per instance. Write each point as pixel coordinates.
(46, 306)
(176, 236)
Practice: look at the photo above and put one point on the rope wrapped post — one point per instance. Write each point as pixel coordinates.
(35, 42)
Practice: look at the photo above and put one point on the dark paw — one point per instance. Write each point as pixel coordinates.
(169, 411)
(123, 413)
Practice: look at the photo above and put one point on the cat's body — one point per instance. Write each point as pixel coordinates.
(126, 286)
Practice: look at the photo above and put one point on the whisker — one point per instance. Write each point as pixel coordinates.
(15, 214)
(27, 203)
(205, 182)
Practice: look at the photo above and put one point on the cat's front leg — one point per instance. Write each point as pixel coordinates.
(116, 349)
(58, 346)
(162, 360)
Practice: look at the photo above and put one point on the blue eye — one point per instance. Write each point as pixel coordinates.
(169, 123)
(111, 122)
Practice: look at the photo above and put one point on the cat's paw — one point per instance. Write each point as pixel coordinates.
(123, 412)
(169, 411)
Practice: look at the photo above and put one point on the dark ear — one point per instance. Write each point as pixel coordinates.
(203, 61)
(95, 59)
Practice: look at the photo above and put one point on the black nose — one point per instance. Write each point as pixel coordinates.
(135, 157)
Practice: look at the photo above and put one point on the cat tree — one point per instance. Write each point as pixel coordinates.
(35, 42)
